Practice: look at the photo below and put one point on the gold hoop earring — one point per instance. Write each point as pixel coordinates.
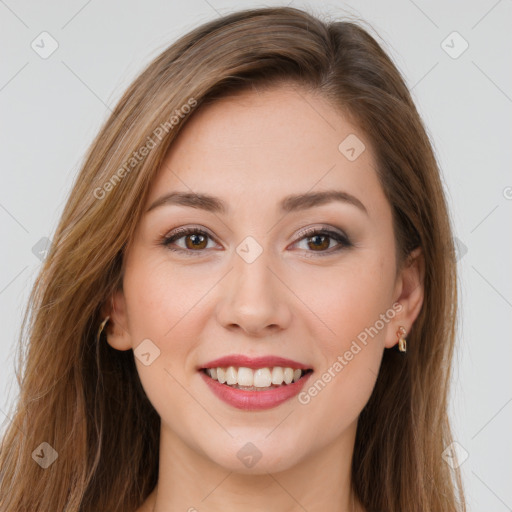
(402, 344)
(102, 325)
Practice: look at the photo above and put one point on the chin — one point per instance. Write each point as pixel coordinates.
(255, 455)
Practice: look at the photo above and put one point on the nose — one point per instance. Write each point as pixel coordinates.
(254, 299)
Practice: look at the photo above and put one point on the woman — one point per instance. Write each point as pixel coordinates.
(250, 299)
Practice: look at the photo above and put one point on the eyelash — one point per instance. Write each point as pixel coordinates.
(342, 240)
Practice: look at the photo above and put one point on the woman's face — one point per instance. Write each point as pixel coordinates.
(252, 283)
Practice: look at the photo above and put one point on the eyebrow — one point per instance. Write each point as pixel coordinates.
(289, 204)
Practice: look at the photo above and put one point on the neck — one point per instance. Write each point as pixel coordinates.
(190, 481)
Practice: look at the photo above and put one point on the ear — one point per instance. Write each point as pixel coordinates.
(409, 293)
(116, 329)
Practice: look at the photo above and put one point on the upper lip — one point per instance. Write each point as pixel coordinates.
(240, 360)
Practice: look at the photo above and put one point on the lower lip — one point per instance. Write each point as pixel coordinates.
(255, 400)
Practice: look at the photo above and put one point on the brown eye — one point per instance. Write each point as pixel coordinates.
(319, 242)
(195, 241)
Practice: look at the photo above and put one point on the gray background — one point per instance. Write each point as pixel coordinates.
(51, 108)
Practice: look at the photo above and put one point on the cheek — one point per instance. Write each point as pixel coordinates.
(162, 305)
(346, 299)
(353, 305)
(156, 305)
(160, 294)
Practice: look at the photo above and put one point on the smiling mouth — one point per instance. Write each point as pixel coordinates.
(261, 379)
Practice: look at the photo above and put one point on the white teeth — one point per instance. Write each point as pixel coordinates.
(277, 375)
(259, 378)
(262, 378)
(221, 375)
(231, 375)
(245, 376)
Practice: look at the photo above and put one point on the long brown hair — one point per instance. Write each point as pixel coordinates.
(85, 399)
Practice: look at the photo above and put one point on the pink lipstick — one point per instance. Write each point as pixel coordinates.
(254, 383)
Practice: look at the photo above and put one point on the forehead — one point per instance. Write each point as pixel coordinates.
(264, 145)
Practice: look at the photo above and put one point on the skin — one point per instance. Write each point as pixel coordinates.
(251, 150)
